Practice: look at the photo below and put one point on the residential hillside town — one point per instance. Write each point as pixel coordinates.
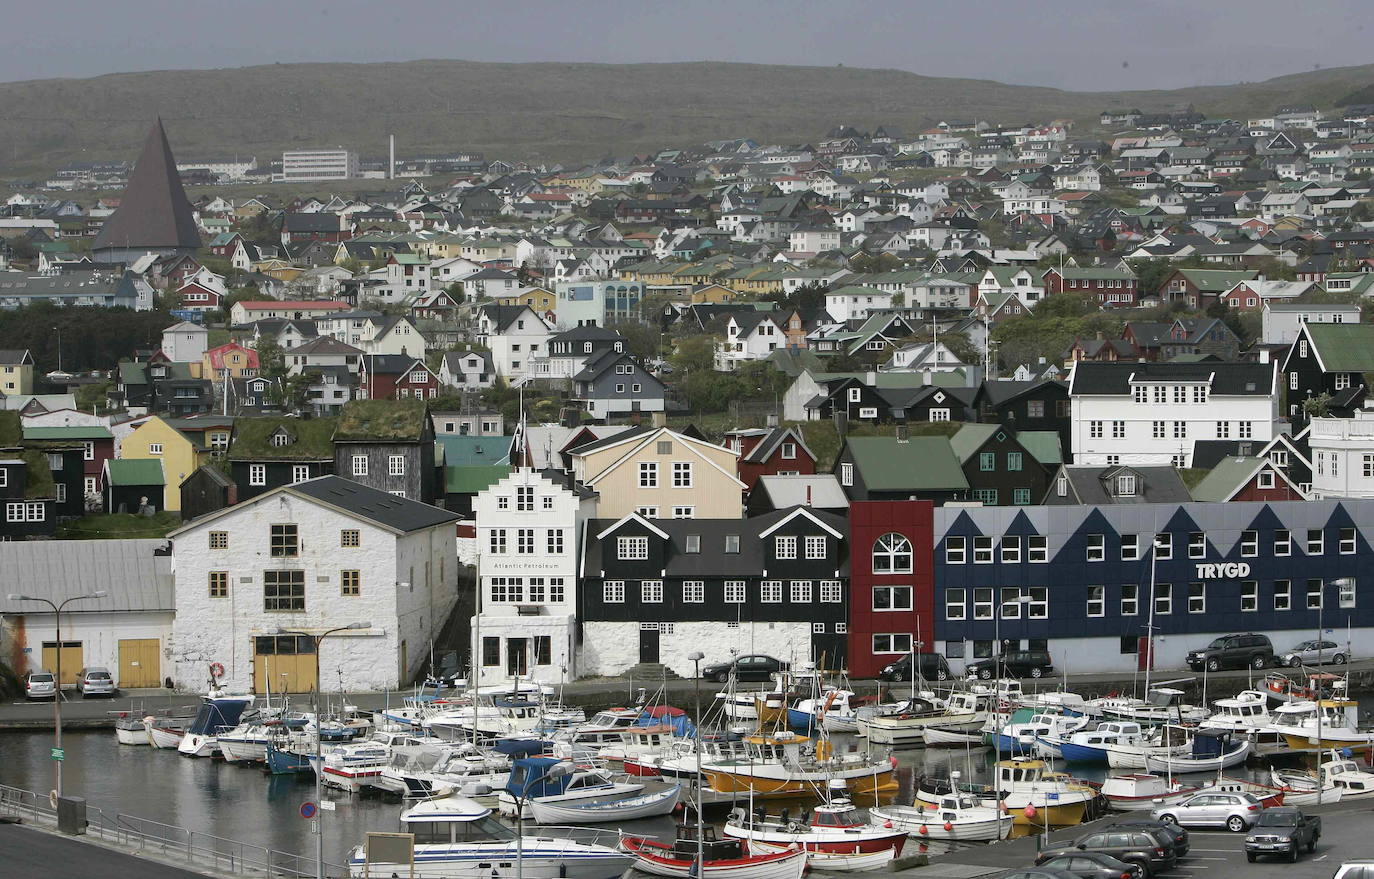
(1096, 388)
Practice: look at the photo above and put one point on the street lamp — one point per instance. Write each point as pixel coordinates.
(557, 770)
(1341, 583)
(57, 676)
(696, 656)
(1155, 546)
(319, 757)
(1021, 599)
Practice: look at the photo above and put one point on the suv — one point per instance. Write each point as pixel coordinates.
(40, 685)
(1151, 851)
(1014, 663)
(931, 666)
(1173, 831)
(1233, 651)
(95, 681)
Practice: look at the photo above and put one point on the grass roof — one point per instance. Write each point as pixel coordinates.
(310, 439)
(11, 430)
(40, 482)
(363, 420)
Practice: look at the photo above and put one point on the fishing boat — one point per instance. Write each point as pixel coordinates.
(1022, 735)
(653, 733)
(352, 765)
(1248, 714)
(1211, 751)
(217, 714)
(1322, 725)
(832, 862)
(653, 804)
(959, 735)
(1301, 788)
(1355, 781)
(421, 770)
(1059, 800)
(837, 827)
(289, 756)
(166, 731)
(957, 816)
(1160, 705)
(1057, 702)
(808, 713)
(456, 838)
(966, 707)
(1142, 792)
(494, 718)
(679, 760)
(721, 858)
(531, 781)
(1091, 745)
(1161, 742)
(784, 763)
(604, 728)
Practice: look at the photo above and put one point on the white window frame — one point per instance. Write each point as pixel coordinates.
(1096, 605)
(359, 465)
(956, 603)
(257, 474)
(785, 546)
(736, 592)
(815, 547)
(632, 548)
(613, 592)
(956, 549)
(396, 465)
(832, 592)
(651, 591)
(648, 474)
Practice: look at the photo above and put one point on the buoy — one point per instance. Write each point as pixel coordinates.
(923, 831)
(948, 827)
(1029, 811)
(887, 824)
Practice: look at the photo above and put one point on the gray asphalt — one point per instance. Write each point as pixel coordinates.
(26, 852)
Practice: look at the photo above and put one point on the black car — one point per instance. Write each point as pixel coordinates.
(1179, 835)
(754, 667)
(1013, 663)
(1233, 651)
(1040, 873)
(1094, 865)
(931, 666)
(1152, 853)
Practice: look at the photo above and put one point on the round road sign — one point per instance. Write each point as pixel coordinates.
(308, 810)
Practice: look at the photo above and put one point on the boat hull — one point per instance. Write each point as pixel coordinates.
(1184, 765)
(137, 736)
(193, 745)
(912, 820)
(438, 861)
(1305, 742)
(1074, 753)
(165, 737)
(661, 861)
(741, 781)
(598, 811)
(834, 862)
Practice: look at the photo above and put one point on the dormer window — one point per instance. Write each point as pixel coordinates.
(282, 438)
(1125, 485)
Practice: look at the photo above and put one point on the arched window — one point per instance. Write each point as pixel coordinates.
(892, 555)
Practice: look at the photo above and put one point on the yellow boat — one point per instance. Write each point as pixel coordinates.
(785, 763)
(1324, 725)
(1058, 798)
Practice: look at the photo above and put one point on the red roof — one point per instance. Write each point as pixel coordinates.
(216, 355)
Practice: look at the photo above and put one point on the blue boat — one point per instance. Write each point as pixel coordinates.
(281, 762)
(1092, 746)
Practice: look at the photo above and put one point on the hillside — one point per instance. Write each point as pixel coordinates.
(547, 111)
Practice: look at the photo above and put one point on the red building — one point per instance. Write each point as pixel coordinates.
(396, 376)
(98, 443)
(1112, 288)
(891, 583)
(776, 452)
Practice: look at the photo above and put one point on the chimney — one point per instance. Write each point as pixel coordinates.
(902, 433)
(808, 494)
(1101, 336)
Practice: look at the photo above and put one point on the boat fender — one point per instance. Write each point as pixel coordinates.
(217, 669)
(948, 827)
(923, 831)
(793, 827)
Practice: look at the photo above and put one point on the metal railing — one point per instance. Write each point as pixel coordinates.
(143, 836)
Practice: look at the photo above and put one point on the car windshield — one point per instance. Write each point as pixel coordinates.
(1277, 819)
(1217, 644)
(99, 675)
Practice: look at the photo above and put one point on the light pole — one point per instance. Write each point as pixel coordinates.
(57, 677)
(1150, 619)
(319, 757)
(697, 656)
(999, 660)
(557, 770)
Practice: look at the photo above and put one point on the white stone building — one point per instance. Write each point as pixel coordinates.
(851, 303)
(1280, 321)
(306, 558)
(1343, 456)
(528, 537)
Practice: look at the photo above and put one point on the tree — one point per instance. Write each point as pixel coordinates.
(92, 397)
(1317, 407)
(271, 360)
(694, 354)
(642, 340)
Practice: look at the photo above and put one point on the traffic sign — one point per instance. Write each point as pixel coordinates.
(308, 810)
(59, 753)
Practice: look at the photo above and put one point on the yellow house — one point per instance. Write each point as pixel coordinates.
(16, 372)
(713, 294)
(181, 452)
(660, 473)
(279, 268)
(541, 300)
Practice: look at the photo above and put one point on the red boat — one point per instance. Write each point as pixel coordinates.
(722, 858)
(836, 827)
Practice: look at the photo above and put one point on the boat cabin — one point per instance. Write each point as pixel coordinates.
(453, 820)
(840, 813)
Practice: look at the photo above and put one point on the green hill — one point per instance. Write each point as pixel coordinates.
(548, 111)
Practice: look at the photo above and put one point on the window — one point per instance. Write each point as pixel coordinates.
(954, 550)
(868, 412)
(1130, 547)
(548, 502)
(257, 474)
(1011, 549)
(897, 642)
(555, 589)
(219, 584)
(300, 472)
(1249, 596)
(1157, 429)
(502, 503)
(1346, 595)
(846, 474)
(496, 541)
(1347, 541)
(1245, 429)
(1283, 542)
(955, 604)
(613, 592)
(285, 541)
(1315, 541)
(985, 496)
(939, 414)
(1197, 545)
(789, 451)
(350, 537)
(1130, 599)
(815, 547)
(1180, 429)
(524, 498)
(651, 591)
(632, 548)
(1368, 464)
(155, 448)
(982, 550)
(647, 512)
(892, 555)
(1164, 546)
(785, 547)
(1164, 599)
(1097, 601)
(648, 474)
(1037, 548)
(1197, 598)
(283, 591)
(1283, 595)
(219, 539)
(664, 447)
(1223, 430)
(537, 590)
(831, 592)
(770, 592)
(396, 465)
(1038, 608)
(1095, 429)
(360, 465)
(892, 598)
(1118, 430)
(801, 591)
(734, 592)
(982, 604)
(731, 544)
(692, 544)
(1097, 547)
(1315, 593)
(987, 461)
(682, 474)
(524, 541)
(350, 583)
(507, 589)
(554, 541)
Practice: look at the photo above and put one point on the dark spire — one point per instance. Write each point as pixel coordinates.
(154, 213)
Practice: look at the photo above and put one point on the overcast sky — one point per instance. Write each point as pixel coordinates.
(1072, 44)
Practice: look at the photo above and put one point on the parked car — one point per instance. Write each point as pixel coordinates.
(1013, 663)
(1040, 873)
(1094, 865)
(95, 681)
(754, 667)
(1359, 868)
(1153, 854)
(1235, 812)
(1233, 651)
(40, 685)
(932, 667)
(1314, 653)
(1284, 830)
(1176, 833)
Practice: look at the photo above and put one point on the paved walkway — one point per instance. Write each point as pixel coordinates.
(28, 852)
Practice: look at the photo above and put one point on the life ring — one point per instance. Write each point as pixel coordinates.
(216, 669)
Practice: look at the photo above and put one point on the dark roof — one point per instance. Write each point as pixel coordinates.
(1154, 485)
(587, 333)
(324, 345)
(386, 510)
(999, 393)
(776, 436)
(389, 364)
(612, 439)
(17, 356)
(154, 211)
(1209, 453)
(1227, 379)
(319, 221)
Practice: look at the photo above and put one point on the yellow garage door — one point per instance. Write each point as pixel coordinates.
(283, 663)
(140, 662)
(72, 660)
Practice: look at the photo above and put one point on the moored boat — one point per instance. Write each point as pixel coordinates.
(721, 858)
(548, 810)
(836, 827)
(961, 817)
(1211, 751)
(834, 862)
(217, 714)
(1142, 792)
(784, 763)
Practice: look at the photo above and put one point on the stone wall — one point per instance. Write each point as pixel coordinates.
(612, 648)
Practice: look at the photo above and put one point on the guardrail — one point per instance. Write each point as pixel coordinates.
(144, 836)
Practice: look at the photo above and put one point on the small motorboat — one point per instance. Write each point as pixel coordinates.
(837, 827)
(721, 858)
(1142, 792)
(532, 781)
(1160, 705)
(971, 707)
(957, 735)
(961, 817)
(351, 765)
(130, 728)
(1302, 789)
(548, 810)
(166, 731)
(834, 862)
(1092, 745)
(1355, 781)
(1021, 736)
(217, 714)
(1322, 725)
(1212, 751)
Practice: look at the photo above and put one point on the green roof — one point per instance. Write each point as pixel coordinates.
(1343, 347)
(1225, 479)
(363, 420)
(1043, 445)
(921, 463)
(470, 480)
(310, 439)
(86, 432)
(970, 438)
(474, 451)
(1216, 280)
(130, 471)
(11, 429)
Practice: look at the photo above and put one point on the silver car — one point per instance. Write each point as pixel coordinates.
(40, 685)
(1235, 812)
(95, 681)
(1305, 653)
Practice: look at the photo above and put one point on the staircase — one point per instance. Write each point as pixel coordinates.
(651, 672)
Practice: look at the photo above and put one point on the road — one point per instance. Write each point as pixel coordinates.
(28, 852)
